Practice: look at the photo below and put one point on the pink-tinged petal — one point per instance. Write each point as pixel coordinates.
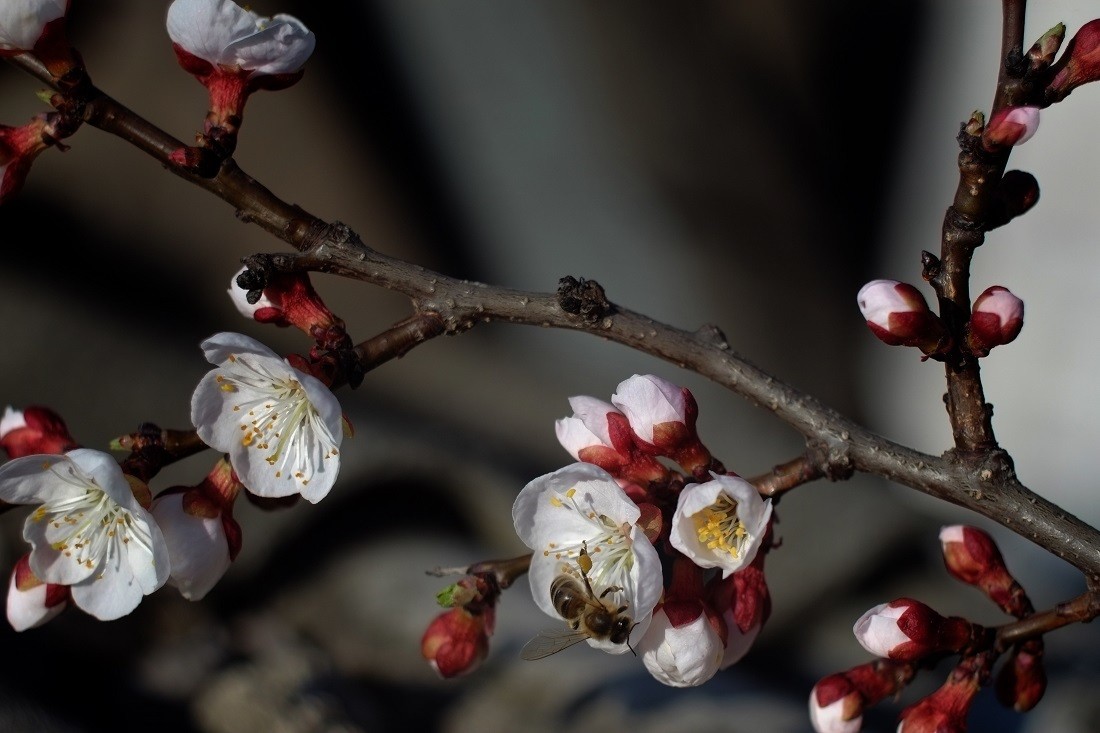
(647, 400)
(593, 413)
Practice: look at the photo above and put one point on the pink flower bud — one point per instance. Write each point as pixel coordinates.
(907, 630)
(681, 647)
(972, 557)
(945, 710)
(34, 430)
(837, 702)
(457, 640)
(1079, 63)
(31, 601)
(836, 706)
(660, 413)
(997, 318)
(1011, 126)
(897, 313)
(1022, 680)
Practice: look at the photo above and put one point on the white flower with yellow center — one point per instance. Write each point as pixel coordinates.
(281, 427)
(582, 507)
(89, 532)
(720, 523)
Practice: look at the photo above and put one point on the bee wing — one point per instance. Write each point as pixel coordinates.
(550, 642)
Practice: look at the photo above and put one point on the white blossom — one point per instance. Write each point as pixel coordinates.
(228, 36)
(720, 523)
(581, 506)
(587, 427)
(281, 427)
(88, 532)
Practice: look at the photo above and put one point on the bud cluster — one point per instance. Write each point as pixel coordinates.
(907, 634)
(898, 315)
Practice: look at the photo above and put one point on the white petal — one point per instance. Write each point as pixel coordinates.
(12, 420)
(31, 479)
(574, 436)
(593, 413)
(827, 718)
(218, 348)
(27, 609)
(22, 21)
(534, 498)
(877, 630)
(686, 656)
(197, 547)
(204, 28)
(111, 594)
(647, 401)
(737, 644)
(282, 46)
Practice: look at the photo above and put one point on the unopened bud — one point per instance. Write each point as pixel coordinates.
(457, 640)
(996, 319)
(971, 556)
(837, 702)
(906, 630)
(1022, 680)
(34, 430)
(898, 314)
(945, 710)
(1011, 126)
(1079, 64)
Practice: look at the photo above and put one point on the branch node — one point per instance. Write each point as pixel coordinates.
(584, 298)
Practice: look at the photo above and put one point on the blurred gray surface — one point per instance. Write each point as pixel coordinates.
(687, 156)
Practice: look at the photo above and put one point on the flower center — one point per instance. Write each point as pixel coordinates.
(719, 528)
(90, 528)
(278, 418)
(609, 547)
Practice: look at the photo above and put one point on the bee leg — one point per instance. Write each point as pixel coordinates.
(610, 589)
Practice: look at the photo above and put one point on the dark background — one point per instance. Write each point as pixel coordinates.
(748, 164)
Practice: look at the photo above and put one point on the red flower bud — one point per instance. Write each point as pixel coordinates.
(997, 318)
(1022, 680)
(907, 630)
(457, 640)
(898, 314)
(1011, 126)
(972, 557)
(34, 430)
(838, 701)
(945, 710)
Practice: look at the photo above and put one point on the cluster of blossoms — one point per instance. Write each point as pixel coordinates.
(607, 530)
(98, 537)
(906, 634)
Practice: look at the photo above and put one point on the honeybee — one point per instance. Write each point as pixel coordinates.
(589, 615)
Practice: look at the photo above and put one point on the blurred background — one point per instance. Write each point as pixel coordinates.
(748, 164)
